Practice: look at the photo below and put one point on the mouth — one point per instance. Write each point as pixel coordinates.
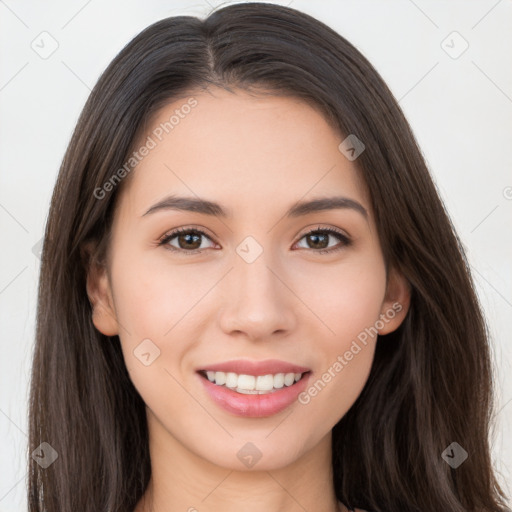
(253, 396)
(253, 388)
(246, 384)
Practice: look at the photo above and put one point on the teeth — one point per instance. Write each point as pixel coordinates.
(247, 382)
(231, 380)
(252, 385)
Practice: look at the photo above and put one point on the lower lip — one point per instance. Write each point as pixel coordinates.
(254, 406)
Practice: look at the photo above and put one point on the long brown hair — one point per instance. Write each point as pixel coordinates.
(431, 380)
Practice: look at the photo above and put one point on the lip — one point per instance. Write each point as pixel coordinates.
(256, 368)
(254, 406)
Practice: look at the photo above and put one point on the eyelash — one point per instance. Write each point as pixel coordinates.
(169, 236)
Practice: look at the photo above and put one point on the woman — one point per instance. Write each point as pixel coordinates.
(251, 294)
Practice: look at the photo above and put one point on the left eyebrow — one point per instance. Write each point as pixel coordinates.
(300, 208)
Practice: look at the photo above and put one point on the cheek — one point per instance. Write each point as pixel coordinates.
(153, 294)
(345, 298)
(158, 301)
(348, 302)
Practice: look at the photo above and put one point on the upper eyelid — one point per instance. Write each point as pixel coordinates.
(317, 227)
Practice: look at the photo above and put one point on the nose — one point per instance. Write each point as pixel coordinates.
(257, 301)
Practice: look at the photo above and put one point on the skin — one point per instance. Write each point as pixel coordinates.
(256, 156)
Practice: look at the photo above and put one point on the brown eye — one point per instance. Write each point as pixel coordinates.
(187, 240)
(318, 240)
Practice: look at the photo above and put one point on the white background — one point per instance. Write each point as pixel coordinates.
(460, 110)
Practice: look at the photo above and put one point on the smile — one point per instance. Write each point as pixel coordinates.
(230, 391)
(252, 384)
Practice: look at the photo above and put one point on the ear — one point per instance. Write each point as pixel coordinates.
(99, 292)
(396, 302)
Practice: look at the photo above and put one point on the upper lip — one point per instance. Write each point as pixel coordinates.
(248, 367)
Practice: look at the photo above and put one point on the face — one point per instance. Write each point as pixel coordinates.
(307, 289)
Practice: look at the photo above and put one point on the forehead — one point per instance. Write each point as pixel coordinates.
(248, 152)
